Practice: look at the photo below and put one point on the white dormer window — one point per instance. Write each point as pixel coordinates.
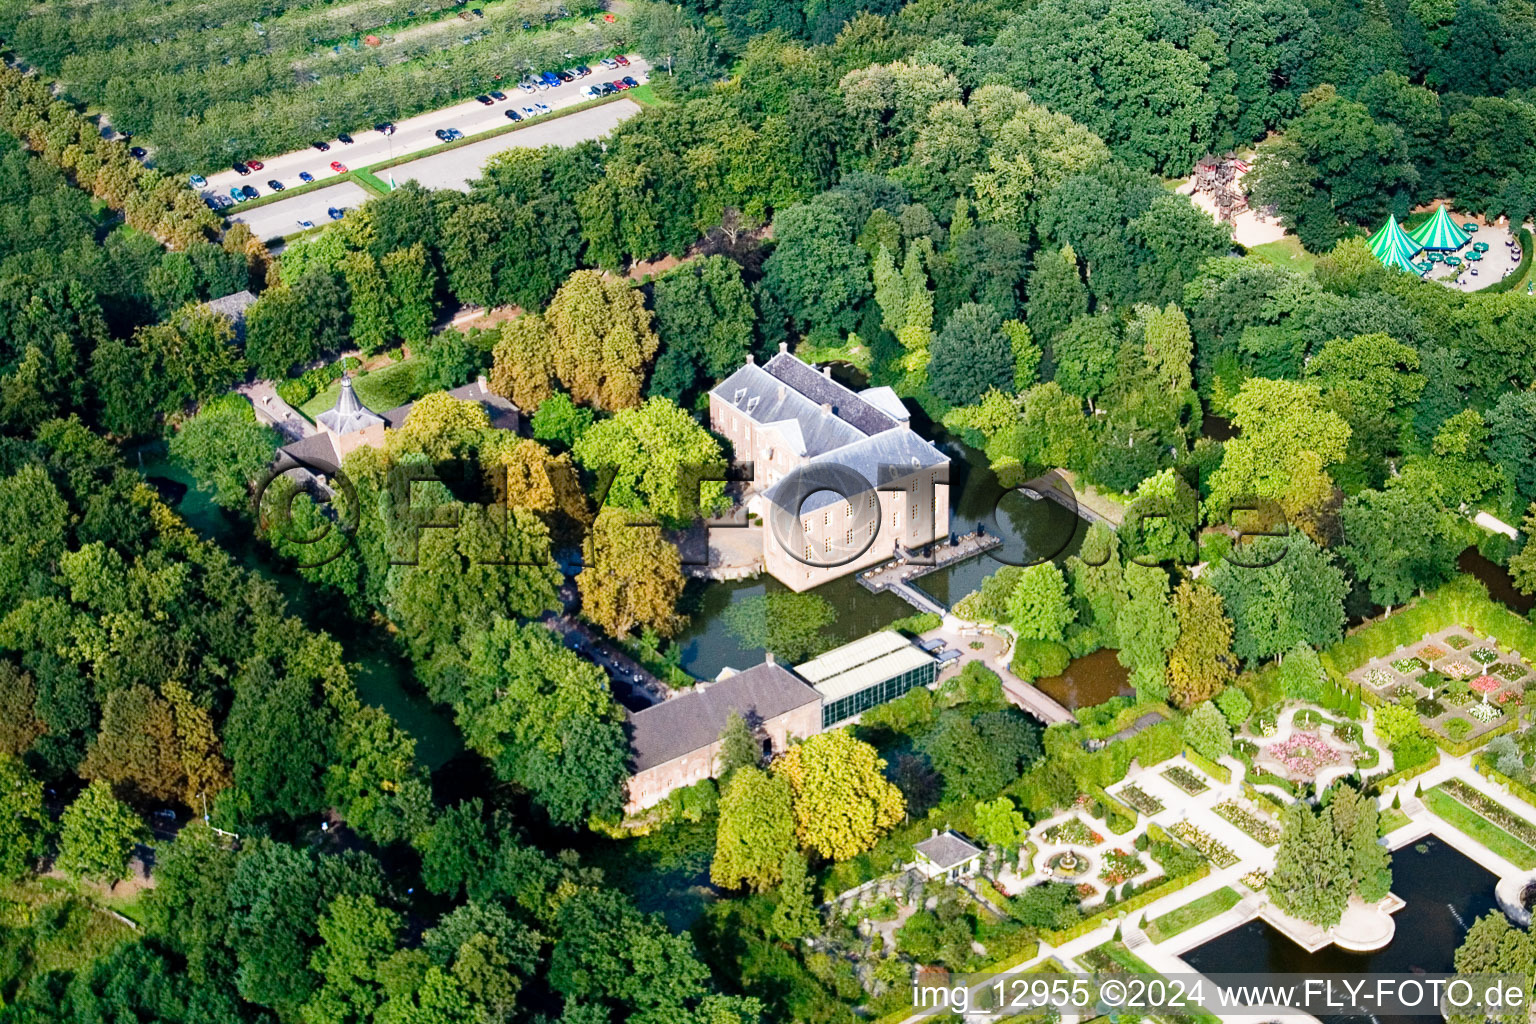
(738, 396)
(752, 403)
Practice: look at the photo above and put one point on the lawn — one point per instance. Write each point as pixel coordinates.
(379, 390)
(1391, 820)
(1286, 253)
(1190, 914)
(1464, 818)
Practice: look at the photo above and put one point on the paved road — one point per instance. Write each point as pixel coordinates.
(455, 168)
(282, 218)
(415, 134)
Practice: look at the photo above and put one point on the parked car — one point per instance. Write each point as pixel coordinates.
(255, 165)
(344, 139)
(608, 88)
(629, 81)
(530, 112)
(306, 224)
(235, 193)
(197, 181)
(214, 202)
(274, 185)
(609, 63)
(138, 152)
(338, 167)
(306, 177)
(543, 107)
(591, 92)
(240, 168)
(565, 76)
(550, 79)
(249, 191)
(334, 213)
(582, 71)
(454, 133)
(385, 129)
(442, 134)
(486, 100)
(623, 61)
(513, 115)
(618, 85)
(323, 147)
(498, 95)
(527, 85)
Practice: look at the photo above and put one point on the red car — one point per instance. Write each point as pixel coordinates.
(338, 167)
(618, 83)
(255, 165)
(623, 60)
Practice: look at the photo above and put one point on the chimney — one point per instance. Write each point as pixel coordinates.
(751, 359)
(826, 371)
(768, 658)
(783, 347)
(935, 834)
(481, 381)
(826, 407)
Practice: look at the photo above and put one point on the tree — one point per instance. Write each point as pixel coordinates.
(704, 319)
(1397, 541)
(633, 577)
(1522, 565)
(524, 362)
(225, 449)
(19, 724)
(1087, 352)
(1038, 607)
(1512, 440)
(1285, 591)
(817, 276)
(1395, 723)
(1370, 372)
(792, 626)
(604, 340)
(842, 802)
(559, 419)
(981, 755)
(739, 746)
(756, 830)
(412, 282)
(1000, 824)
(97, 834)
(373, 321)
(1311, 879)
(795, 917)
(137, 749)
(24, 823)
(1207, 731)
(1169, 349)
(654, 453)
(1147, 628)
(1057, 295)
(1234, 705)
(356, 937)
(1492, 946)
(607, 950)
(1200, 662)
(971, 356)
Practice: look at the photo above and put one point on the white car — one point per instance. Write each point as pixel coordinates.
(526, 85)
(306, 224)
(543, 107)
(609, 63)
(530, 112)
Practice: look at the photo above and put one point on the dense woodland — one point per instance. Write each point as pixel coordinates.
(933, 192)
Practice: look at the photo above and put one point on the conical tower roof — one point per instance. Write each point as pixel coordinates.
(1393, 247)
(1439, 233)
(349, 413)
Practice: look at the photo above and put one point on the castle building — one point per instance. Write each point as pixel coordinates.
(840, 480)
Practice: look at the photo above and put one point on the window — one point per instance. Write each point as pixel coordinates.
(826, 518)
(849, 539)
(805, 526)
(871, 499)
(826, 545)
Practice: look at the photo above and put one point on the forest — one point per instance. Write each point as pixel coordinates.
(937, 193)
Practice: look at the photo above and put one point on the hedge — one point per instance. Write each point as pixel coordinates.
(1464, 601)
(1460, 748)
(922, 622)
(1518, 790)
(1113, 809)
(1514, 280)
(1263, 801)
(1141, 899)
(1377, 786)
(1220, 772)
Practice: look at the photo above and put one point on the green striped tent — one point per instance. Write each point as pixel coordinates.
(1439, 233)
(1392, 246)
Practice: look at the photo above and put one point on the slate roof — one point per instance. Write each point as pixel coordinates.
(666, 731)
(349, 413)
(316, 453)
(887, 401)
(823, 390)
(769, 400)
(233, 306)
(946, 850)
(879, 460)
(503, 414)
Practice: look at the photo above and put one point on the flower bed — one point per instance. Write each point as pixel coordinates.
(1509, 671)
(1305, 754)
(1485, 656)
(1121, 866)
(1429, 652)
(1256, 826)
(1404, 690)
(1141, 799)
(1255, 880)
(1491, 809)
(1484, 712)
(1185, 779)
(1409, 665)
(1486, 684)
(1457, 642)
(1072, 832)
(1377, 678)
(1214, 850)
(1429, 707)
(1457, 669)
(1085, 890)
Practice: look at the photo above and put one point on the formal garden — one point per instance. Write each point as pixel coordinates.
(1461, 685)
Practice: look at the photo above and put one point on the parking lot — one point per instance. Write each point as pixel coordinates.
(412, 135)
(282, 218)
(457, 167)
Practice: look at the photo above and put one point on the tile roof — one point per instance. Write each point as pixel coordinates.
(692, 721)
(947, 849)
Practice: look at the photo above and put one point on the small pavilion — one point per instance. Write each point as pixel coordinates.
(1439, 233)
